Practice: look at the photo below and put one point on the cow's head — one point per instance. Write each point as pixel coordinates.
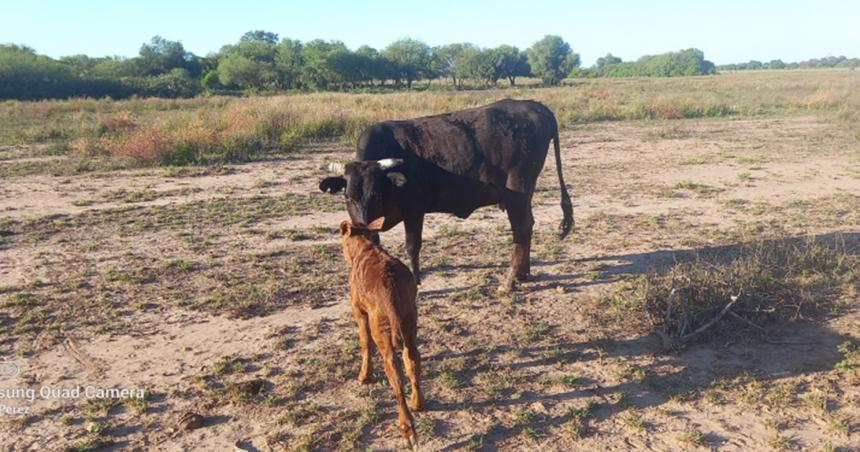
(363, 183)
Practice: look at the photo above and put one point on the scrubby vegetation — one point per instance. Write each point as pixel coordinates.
(670, 64)
(747, 286)
(222, 129)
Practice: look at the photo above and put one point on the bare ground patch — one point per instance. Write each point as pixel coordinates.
(222, 293)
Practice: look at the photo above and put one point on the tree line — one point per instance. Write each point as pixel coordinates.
(670, 64)
(814, 63)
(262, 62)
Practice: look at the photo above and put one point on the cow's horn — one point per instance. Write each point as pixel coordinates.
(389, 163)
(337, 167)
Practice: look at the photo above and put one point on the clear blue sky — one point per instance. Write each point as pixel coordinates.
(727, 31)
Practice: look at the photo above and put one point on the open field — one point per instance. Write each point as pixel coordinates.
(220, 288)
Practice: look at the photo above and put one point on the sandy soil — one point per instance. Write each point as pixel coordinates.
(261, 297)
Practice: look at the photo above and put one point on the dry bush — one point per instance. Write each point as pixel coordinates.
(747, 286)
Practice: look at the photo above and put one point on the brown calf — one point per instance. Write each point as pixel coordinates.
(382, 295)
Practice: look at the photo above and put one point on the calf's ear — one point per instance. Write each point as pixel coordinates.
(345, 227)
(332, 184)
(398, 179)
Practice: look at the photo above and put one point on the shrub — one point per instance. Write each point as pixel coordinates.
(755, 283)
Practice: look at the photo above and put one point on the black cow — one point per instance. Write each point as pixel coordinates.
(454, 163)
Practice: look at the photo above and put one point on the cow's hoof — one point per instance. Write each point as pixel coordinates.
(508, 286)
(365, 380)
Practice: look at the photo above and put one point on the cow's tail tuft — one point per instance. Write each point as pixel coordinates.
(566, 206)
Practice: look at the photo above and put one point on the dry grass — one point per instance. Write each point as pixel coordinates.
(203, 130)
(764, 281)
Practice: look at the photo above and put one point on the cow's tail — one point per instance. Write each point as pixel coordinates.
(566, 206)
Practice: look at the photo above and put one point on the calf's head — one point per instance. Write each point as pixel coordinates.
(349, 230)
(363, 184)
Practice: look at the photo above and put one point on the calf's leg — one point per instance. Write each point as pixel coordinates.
(365, 375)
(412, 362)
(405, 421)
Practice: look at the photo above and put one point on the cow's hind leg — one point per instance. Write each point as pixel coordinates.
(519, 209)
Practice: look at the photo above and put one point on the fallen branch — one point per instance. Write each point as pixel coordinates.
(745, 320)
(670, 343)
(684, 339)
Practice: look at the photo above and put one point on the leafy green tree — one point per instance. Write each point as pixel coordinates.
(176, 83)
(328, 63)
(82, 65)
(444, 60)
(776, 64)
(247, 73)
(848, 63)
(160, 56)
(410, 59)
(370, 64)
(211, 82)
(26, 75)
(482, 65)
(289, 62)
(116, 68)
(250, 63)
(260, 35)
(607, 60)
(551, 59)
(511, 63)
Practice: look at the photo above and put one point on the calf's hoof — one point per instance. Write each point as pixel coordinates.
(416, 405)
(365, 379)
(408, 433)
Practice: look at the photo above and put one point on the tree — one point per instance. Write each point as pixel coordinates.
(115, 68)
(776, 64)
(160, 56)
(370, 64)
(289, 62)
(411, 59)
(26, 75)
(444, 60)
(246, 73)
(328, 63)
(260, 35)
(754, 65)
(481, 65)
(551, 59)
(512, 63)
(607, 60)
(250, 63)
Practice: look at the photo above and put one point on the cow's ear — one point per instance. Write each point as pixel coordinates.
(376, 225)
(332, 184)
(345, 227)
(398, 179)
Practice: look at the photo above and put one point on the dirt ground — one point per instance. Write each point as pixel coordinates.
(221, 292)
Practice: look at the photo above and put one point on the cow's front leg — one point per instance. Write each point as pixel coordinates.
(414, 224)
